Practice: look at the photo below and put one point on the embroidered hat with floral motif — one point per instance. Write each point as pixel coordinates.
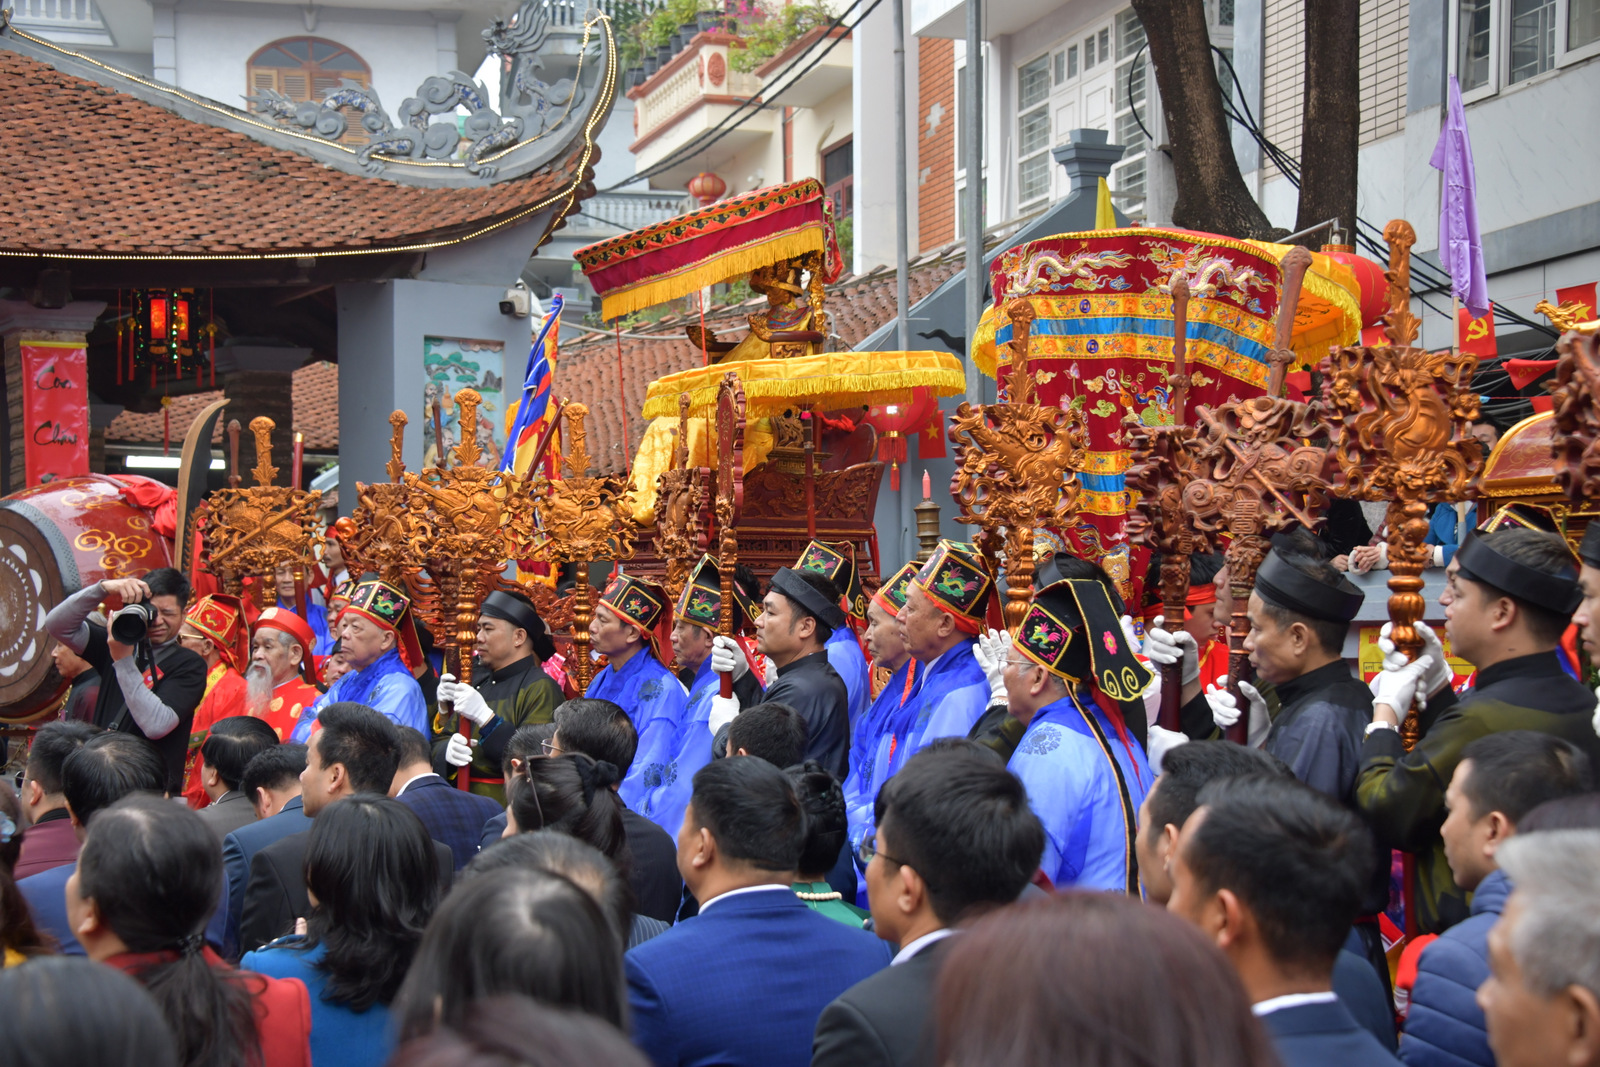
(643, 605)
(700, 602)
(1071, 628)
(286, 621)
(220, 619)
(383, 604)
(891, 595)
(836, 561)
(958, 583)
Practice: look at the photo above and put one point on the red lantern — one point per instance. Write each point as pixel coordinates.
(707, 188)
(1369, 276)
(896, 422)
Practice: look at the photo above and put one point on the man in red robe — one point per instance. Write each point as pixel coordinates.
(215, 629)
(281, 679)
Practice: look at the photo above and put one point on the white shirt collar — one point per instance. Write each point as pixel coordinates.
(720, 897)
(1292, 1000)
(911, 948)
(411, 781)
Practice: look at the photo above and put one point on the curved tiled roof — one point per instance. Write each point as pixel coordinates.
(90, 170)
(316, 413)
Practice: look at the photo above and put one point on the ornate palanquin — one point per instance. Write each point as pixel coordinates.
(1103, 330)
(1521, 470)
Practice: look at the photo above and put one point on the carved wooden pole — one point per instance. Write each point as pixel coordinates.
(233, 454)
(1404, 438)
(730, 493)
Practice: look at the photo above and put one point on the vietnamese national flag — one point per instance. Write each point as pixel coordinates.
(1476, 335)
(1579, 294)
(930, 439)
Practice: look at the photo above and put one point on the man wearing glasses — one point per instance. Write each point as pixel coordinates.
(151, 689)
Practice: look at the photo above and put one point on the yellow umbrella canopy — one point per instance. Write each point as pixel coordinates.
(829, 381)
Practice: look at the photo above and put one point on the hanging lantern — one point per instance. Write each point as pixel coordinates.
(1369, 276)
(707, 188)
(165, 330)
(894, 422)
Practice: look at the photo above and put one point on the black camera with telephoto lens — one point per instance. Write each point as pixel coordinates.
(131, 624)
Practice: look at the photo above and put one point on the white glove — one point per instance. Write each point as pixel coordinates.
(1161, 742)
(992, 651)
(464, 699)
(727, 657)
(1260, 718)
(1397, 687)
(1165, 648)
(1597, 709)
(723, 711)
(1439, 674)
(1224, 709)
(458, 753)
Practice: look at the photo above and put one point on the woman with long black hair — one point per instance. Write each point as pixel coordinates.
(148, 879)
(373, 879)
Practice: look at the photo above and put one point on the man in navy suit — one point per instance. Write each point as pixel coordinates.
(742, 983)
(955, 839)
(1273, 871)
(453, 816)
(272, 783)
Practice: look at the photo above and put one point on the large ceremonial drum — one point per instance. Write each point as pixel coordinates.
(55, 539)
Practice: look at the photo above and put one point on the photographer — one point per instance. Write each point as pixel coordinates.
(149, 685)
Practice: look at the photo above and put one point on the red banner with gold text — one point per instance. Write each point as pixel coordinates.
(55, 410)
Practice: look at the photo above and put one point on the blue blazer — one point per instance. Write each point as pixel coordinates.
(743, 983)
(1324, 1035)
(46, 894)
(454, 817)
(237, 850)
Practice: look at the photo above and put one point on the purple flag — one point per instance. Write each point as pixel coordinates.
(1460, 247)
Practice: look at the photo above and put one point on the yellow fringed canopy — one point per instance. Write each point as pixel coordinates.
(1329, 312)
(830, 381)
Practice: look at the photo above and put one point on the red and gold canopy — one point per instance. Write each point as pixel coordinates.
(731, 237)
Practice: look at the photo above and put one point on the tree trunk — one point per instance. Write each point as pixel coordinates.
(1212, 195)
(1330, 135)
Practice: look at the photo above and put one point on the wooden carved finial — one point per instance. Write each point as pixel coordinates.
(396, 466)
(1294, 266)
(577, 458)
(1402, 324)
(1178, 379)
(264, 471)
(466, 453)
(1019, 389)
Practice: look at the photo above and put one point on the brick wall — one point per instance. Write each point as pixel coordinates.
(1384, 25)
(935, 130)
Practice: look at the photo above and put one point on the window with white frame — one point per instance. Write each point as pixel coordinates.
(1033, 131)
(1501, 43)
(1132, 98)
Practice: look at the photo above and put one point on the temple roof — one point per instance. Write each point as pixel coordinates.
(102, 164)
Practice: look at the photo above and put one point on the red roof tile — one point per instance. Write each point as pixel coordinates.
(316, 413)
(588, 371)
(90, 169)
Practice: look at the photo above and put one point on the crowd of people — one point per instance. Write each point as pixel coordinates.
(283, 837)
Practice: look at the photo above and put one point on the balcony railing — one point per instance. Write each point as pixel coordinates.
(67, 22)
(610, 213)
